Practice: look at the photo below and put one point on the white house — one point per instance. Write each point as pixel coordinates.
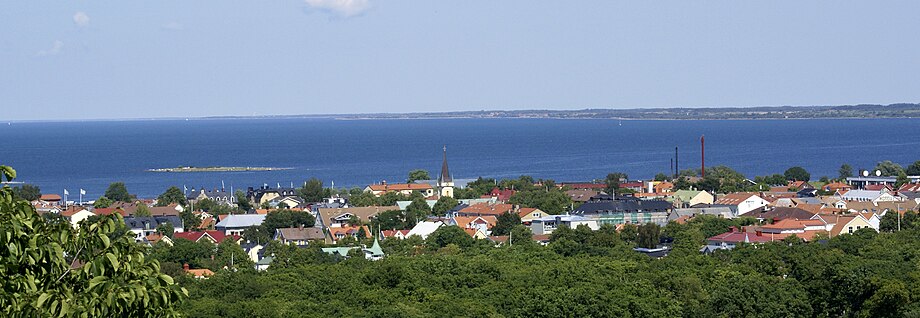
(746, 202)
(548, 224)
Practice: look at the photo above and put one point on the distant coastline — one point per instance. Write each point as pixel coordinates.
(864, 111)
(215, 169)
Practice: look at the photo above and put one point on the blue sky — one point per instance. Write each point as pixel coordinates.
(132, 59)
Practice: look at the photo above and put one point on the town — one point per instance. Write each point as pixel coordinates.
(358, 222)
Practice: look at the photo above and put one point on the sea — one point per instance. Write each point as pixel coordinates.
(89, 155)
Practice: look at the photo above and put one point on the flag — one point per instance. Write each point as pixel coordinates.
(65, 192)
(82, 192)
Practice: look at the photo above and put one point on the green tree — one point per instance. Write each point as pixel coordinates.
(417, 211)
(913, 169)
(661, 177)
(889, 168)
(190, 221)
(242, 201)
(390, 220)
(231, 256)
(443, 205)
(102, 202)
(506, 222)
(52, 269)
(901, 180)
(629, 233)
(521, 236)
(449, 234)
(28, 192)
(142, 210)
(797, 174)
(118, 192)
(172, 195)
(166, 229)
(845, 171)
(363, 198)
(312, 190)
(613, 182)
(418, 174)
(649, 235)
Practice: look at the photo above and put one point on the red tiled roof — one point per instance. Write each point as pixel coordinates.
(487, 209)
(107, 211)
(195, 236)
(876, 187)
(50, 197)
(584, 185)
(734, 198)
(400, 187)
(741, 237)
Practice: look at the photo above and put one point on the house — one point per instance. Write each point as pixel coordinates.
(264, 263)
(733, 238)
(235, 224)
(507, 239)
(476, 233)
(500, 195)
(847, 224)
(861, 182)
(399, 234)
(634, 186)
(405, 204)
(481, 223)
(529, 214)
(878, 187)
(745, 201)
(404, 188)
(724, 211)
(219, 196)
(583, 186)
(143, 226)
(781, 213)
(606, 209)
(805, 229)
(357, 232)
(835, 186)
(486, 209)
(373, 253)
(661, 187)
(265, 194)
(548, 224)
(214, 237)
(300, 236)
(800, 185)
(337, 217)
(156, 238)
(197, 273)
(170, 210)
(688, 198)
(869, 196)
(581, 195)
(425, 228)
(76, 215)
(52, 199)
(909, 187)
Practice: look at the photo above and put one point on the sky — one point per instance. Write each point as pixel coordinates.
(143, 59)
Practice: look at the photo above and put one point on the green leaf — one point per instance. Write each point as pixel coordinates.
(41, 299)
(96, 281)
(112, 259)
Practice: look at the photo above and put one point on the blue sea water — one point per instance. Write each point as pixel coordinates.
(90, 155)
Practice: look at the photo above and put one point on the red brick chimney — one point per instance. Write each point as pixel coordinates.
(185, 267)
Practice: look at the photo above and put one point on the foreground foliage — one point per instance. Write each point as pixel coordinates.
(50, 269)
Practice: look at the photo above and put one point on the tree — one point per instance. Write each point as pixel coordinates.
(901, 180)
(649, 235)
(102, 202)
(231, 256)
(613, 182)
(390, 220)
(443, 205)
(172, 195)
(913, 169)
(418, 174)
(39, 266)
(242, 201)
(190, 221)
(28, 192)
(118, 192)
(629, 233)
(845, 171)
(506, 222)
(797, 174)
(166, 229)
(449, 234)
(521, 236)
(661, 177)
(142, 210)
(417, 211)
(363, 198)
(889, 168)
(312, 190)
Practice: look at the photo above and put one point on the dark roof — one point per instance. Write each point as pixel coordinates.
(782, 213)
(138, 222)
(606, 204)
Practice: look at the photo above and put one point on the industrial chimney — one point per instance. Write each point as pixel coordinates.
(703, 156)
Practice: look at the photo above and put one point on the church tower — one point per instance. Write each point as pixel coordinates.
(445, 181)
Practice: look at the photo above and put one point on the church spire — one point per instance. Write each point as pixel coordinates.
(445, 173)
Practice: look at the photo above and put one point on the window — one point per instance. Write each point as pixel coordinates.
(850, 229)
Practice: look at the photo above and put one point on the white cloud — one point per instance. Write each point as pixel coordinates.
(345, 8)
(173, 25)
(55, 49)
(80, 19)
